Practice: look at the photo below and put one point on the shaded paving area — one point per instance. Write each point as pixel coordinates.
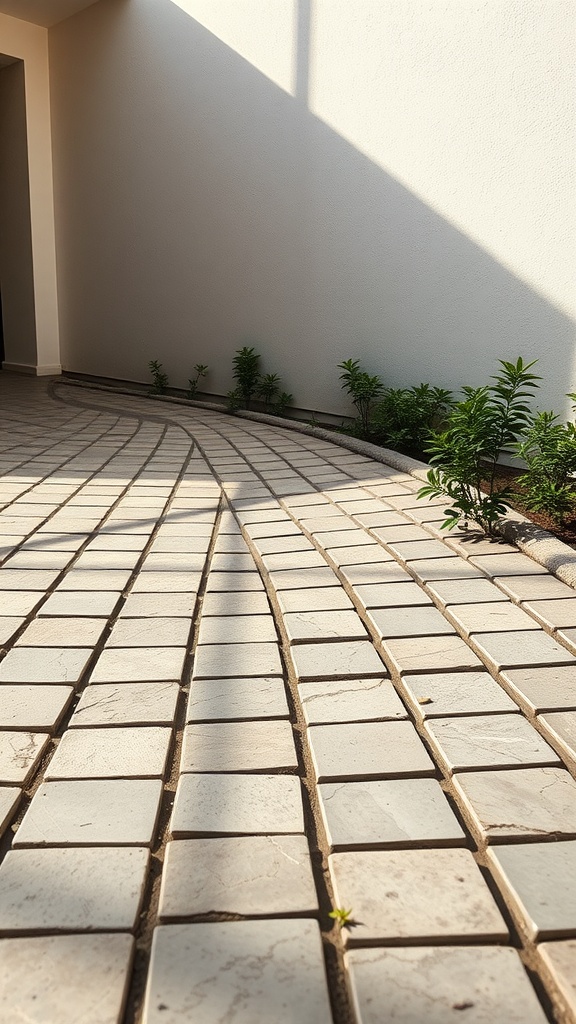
(245, 679)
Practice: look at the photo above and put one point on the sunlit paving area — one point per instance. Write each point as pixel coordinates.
(274, 748)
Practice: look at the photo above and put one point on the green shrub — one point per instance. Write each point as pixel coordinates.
(193, 382)
(549, 450)
(363, 389)
(159, 378)
(246, 373)
(406, 418)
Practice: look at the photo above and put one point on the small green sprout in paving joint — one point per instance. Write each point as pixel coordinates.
(340, 915)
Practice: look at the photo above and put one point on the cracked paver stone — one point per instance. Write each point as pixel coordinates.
(249, 875)
(434, 984)
(92, 812)
(519, 803)
(561, 728)
(120, 752)
(126, 704)
(521, 648)
(449, 592)
(559, 959)
(246, 971)
(167, 632)
(139, 665)
(71, 889)
(388, 813)
(488, 741)
(543, 689)
(65, 978)
(19, 754)
(491, 617)
(213, 661)
(238, 747)
(409, 622)
(33, 707)
(9, 798)
(324, 625)
(431, 653)
(336, 660)
(455, 693)
(402, 594)
(237, 805)
(50, 665)
(368, 750)
(350, 700)
(537, 880)
(221, 699)
(415, 895)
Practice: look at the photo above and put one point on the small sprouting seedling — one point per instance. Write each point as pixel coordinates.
(201, 371)
(159, 378)
(340, 915)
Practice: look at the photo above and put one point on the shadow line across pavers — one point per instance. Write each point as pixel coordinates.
(245, 678)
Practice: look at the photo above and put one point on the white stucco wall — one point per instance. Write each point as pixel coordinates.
(391, 180)
(29, 43)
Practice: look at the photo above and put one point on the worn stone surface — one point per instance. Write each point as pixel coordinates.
(19, 754)
(558, 614)
(212, 661)
(243, 971)
(388, 813)
(164, 632)
(367, 750)
(62, 632)
(492, 617)
(409, 622)
(537, 586)
(245, 602)
(9, 798)
(324, 625)
(515, 564)
(336, 660)
(103, 812)
(559, 959)
(393, 595)
(418, 896)
(519, 803)
(237, 805)
(521, 648)
(248, 875)
(234, 581)
(350, 700)
(221, 699)
(37, 708)
(237, 629)
(543, 689)
(537, 880)
(53, 665)
(116, 753)
(455, 693)
(65, 978)
(71, 889)
(431, 653)
(488, 741)
(149, 606)
(560, 727)
(126, 704)
(434, 984)
(139, 665)
(238, 747)
(470, 591)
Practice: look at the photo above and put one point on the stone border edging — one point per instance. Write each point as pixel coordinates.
(540, 545)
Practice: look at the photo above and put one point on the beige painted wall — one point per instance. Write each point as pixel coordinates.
(29, 43)
(392, 181)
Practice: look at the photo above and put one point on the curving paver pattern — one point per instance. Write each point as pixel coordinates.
(245, 678)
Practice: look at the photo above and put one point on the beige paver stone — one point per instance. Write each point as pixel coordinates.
(35, 708)
(237, 629)
(534, 587)
(363, 554)
(409, 551)
(126, 704)
(62, 632)
(400, 594)
(290, 579)
(93, 579)
(245, 971)
(20, 752)
(455, 693)
(89, 603)
(231, 542)
(165, 632)
(212, 661)
(321, 600)
(491, 617)
(409, 622)
(388, 813)
(543, 689)
(65, 978)
(515, 564)
(488, 741)
(434, 984)
(221, 804)
(418, 896)
(149, 606)
(9, 799)
(107, 560)
(121, 752)
(109, 542)
(139, 664)
(350, 700)
(470, 591)
(166, 582)
(451, 568)
(558, 614)
(400, 533)
(238, 747)
(27, 579)
(537, 880)
(51, 665)
(355, 537)
(249, 875)
(234, 581)
(519, 803)
(560, 728)
(226, 561)
(431, 653)
(559, 959)
(521, 648)
(336, 660)
(246, 602)
(18, 602)
(222, 699)
(280, 526)
(8, 626)
(368, 750)
(92, 812)
(324, 625)
(71, 889)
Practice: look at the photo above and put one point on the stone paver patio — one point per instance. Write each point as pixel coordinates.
(245, 679)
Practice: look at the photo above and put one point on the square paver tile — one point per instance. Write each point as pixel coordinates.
(237, 629)
(515, 564)
(418, 896)
(491, 617)
(222, 699)
(559, 614)
(248, 875)
(433, 984)
(537, 880)
(538, 587)
(9, 799)
(560, 727)
(405, 622)
(238, 747)
(80, 603)
(20, 752)
(323, 599)
(207, 966)
(388, 813)
(430, 654)
(559, 960)
(139, 664)
(18, 602)
(290, 579)
(92, 812)
(324, 625)
(62, 632)
(116, 753)
(166, 582)
(401, 594)
(213, 661)
(96, 969)
(522, 648)
(33, 708)
(234, 581)
(543, 689)
(148, 606)
(93, 579)
(451, 568)
(44, 665)
(336, 660)
(228, 804)
(456, 693)
(165, 632)
(244, 602)
(126, 704)
(350, 700)
(469, 591)
(8, 626)
(488, 741)
(71, 889)
(516, 804)
(368, 750)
